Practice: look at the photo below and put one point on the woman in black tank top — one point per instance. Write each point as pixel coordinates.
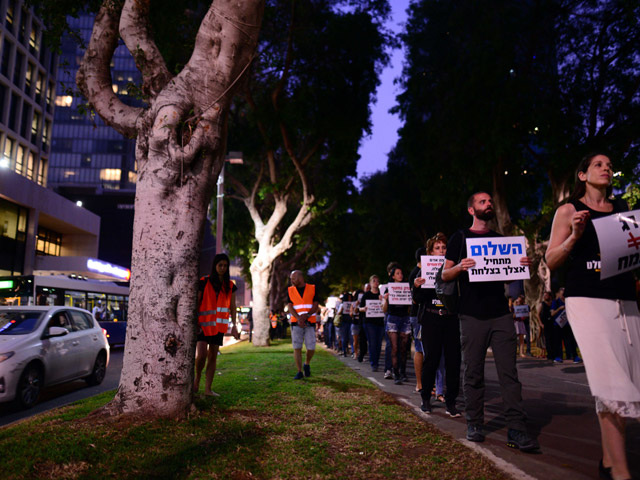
(603, 313)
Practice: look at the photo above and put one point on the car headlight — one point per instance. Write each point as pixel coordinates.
(6, 356)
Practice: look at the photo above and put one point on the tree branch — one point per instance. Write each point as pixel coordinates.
(287, 62)
(94, 75)
(134, 30)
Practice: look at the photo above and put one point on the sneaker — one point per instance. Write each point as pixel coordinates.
(453, 412)
(388, 375)
(577, 360)
(521, 440)
(426, 406)
(403, 377)
(557, 360)
(299, 376)
(397, 380)
(307, 370)
(475, 433)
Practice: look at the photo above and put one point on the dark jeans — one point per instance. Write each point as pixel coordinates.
(329, 334)
(441, 333)
(476, 335)
(527, 326)
(374, 338)
(564, 334)
(345, 335)
(549, 341)
(362, 340)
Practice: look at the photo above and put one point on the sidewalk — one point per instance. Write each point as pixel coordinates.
(561, 415)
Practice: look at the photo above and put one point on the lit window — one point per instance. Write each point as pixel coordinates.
(27, 82)
(35, 125)
(115, 88)
(30, 163)
(20, 160)
(9, 16)
(39, 83)
(42, 172)
(69, 173)
(110, 174)
(5, 161)
(133, 177)
(64, 100)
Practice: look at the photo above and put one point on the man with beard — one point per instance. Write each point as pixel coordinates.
(485, 321)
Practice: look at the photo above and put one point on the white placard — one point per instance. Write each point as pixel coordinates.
(619, 234)
(399, 293)
(521, 311)
(374, 309)
(346, 308)
(430, 266)
(497, 259)
(561, 320)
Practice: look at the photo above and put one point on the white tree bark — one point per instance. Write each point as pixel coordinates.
(181, 142)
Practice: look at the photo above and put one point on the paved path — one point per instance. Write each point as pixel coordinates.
(561, 415)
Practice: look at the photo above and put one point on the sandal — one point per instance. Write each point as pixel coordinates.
(440, 398)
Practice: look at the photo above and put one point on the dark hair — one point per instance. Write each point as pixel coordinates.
(580, 187)
(438, 237)
(215, 279)
(420, 252)
(395, 267)
(392, 266)
(473, 197)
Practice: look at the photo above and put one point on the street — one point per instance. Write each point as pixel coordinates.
(65, 393)
(561, 415)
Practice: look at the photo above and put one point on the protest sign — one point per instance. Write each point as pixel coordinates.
(374, 309)
(346, 308)
(521, 311)
(497, 259)
(399, 293)
(383, 289)
(430, 266)
(619, 240)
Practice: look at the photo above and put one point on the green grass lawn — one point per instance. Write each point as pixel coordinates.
(334, 424)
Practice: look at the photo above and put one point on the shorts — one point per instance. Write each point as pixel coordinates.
(355, 329)
(306, 335)
(417, 334)
(211, 340)
(396, 324)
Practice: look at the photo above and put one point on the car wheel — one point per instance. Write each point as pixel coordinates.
(99, 370)
(30, 386)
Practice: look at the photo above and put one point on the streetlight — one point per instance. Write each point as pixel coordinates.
(232, 157)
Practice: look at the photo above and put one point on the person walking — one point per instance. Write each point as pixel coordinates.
(398, 329)
(303, 305)
(373, 326)
(485, 321)
(546, 320)
(217, 306)
(562, 332)
(441, 336)
(416, 328)
(602, 312)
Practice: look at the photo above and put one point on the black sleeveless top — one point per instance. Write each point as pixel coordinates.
(583, 264)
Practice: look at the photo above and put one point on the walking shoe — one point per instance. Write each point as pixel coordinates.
(403, 377)
(521, 440)
(475, 433)
(453, 412)
(557, 360)
(426, 406)
(577, 360)
(604, 472)
(299, 376)
(388, 375)
(307, 370)
(397, 380)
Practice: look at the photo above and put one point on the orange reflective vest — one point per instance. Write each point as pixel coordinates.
(274, 321)
(303, 304)
(214, 310)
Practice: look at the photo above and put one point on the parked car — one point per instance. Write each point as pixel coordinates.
(43, 346)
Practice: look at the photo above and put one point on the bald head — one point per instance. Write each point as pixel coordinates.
(297, 279)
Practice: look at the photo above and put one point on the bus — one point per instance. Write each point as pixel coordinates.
(111, 299)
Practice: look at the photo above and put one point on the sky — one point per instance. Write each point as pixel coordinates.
(374, 148)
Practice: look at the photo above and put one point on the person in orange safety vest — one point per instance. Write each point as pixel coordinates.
(216, 308)
(303, 305)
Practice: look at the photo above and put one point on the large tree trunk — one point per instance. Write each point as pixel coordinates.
(180, 149)
(260, 281)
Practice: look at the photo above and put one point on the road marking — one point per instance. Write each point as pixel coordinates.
(500, 463)
(375, 381)
(576, 383)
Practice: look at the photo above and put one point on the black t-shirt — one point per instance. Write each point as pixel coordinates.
(583, 264)
(413, 312)
(363, 303)
(477, 299)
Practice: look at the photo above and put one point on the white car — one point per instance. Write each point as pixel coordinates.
(42, 346)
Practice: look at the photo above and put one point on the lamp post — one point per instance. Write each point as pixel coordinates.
(232, 157)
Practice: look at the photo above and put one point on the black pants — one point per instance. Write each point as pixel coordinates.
(441, 333)
(549, 340)
(476, 336)
(564, 334)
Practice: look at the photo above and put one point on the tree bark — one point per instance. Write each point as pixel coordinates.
(181, 143)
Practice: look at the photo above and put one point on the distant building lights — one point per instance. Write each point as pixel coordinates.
(4, 163)
(617, 174)
(506, 172)
(79, 203)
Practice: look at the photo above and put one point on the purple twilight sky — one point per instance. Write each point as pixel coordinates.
(374, 148)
